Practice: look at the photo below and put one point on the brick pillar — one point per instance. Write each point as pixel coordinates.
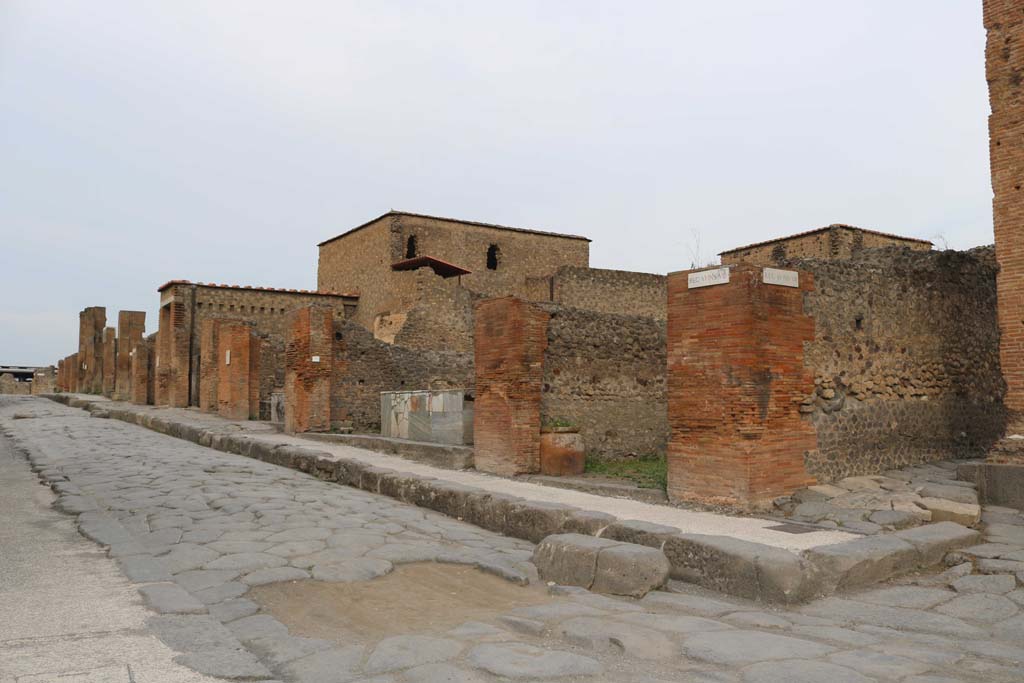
(736, 378)
(509, 343)
(60, 375)
(238, 384)
(141, 389)
(91, 322)
(74, 372)
(131, 325)
(1004, 64)
(109, 368)
(173, 353)
(307, 374)
(209, 369)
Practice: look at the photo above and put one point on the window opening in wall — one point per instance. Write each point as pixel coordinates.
(410, 247)
(492, 257)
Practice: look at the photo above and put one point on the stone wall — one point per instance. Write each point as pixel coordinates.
(238, 365)
(44, 380)
(609, 291)
(9, 385)
(834, 242)
(1004, 65)
(605, 374)
(905, 359)
(365, 366)
(308, 370)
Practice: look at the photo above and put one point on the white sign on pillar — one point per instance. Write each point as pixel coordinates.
(783, 278)
(227, 357)
(707, 278)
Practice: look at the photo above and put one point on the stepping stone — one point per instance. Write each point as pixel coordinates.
(402, 652)
(943, 510)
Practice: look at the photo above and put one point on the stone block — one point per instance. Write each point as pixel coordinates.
(630, 569)
(863, 561)
(933, 541)
(562, 453)
(944, 510)
(569, 559)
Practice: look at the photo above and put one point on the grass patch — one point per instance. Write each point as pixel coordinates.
(647, 472)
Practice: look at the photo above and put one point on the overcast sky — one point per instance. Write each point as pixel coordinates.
(220, 141)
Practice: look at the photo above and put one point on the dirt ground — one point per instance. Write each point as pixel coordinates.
(424, 597)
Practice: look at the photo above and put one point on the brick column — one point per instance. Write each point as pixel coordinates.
(108, 371)
(1004, 63)
(509, 344)
(91, 322)
(307, 374)
(131, 325)
(209, 368)
(736, 378)
(238, 383)
(74, 372)
(173, 351)
(60, 375)
(141, 390)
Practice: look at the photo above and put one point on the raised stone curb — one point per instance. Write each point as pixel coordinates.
(446, 456)
(722, 563)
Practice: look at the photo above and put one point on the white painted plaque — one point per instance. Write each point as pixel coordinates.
(785, 278)
(706, 278)
(316, 359)
(227, 357)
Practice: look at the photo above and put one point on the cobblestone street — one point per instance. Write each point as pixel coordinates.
(197, 529)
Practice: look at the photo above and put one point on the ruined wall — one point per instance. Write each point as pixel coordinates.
(1004, 66)
(131, 326)
(9, 385)
(605, 374)
(365, 366)
(620, 292)
(837, 242)
(361, 261)
(905, 359)
(44, 380)
(143, 382)
(439, 314)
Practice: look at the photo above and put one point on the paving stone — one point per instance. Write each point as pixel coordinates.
(185, 556)
(402, 652)
(257, 626)
(801, 671)
(233, 547)
(225, 663)
(278, 650)
(933, 541)
(200, 579)
(296, 548)
(599, 634)
(943, 510)
(705, 607)
(557, 611)
(979, 607)
(273, 575)
(813, 510)
(143, 569)
(957, 494)
(336, 665)
(530, 627)
(630, 569)
(518, 660)
(221, 592)
(229, 610)
(836, 634)
(441, 673)
(301, 534)
(746, 647)
(246, 562)
(998, 584)
(757, 620)
(863, 561)
(851, 612)
(1000, 566)
(361, 569)
(192, 633)
(170, 598)
(905, 596)
(879, 664)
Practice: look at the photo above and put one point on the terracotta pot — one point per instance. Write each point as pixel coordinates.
(561, 453)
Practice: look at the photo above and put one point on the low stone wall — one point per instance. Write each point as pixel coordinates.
(619, 292)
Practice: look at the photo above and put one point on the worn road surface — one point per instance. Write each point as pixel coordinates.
(239, 569)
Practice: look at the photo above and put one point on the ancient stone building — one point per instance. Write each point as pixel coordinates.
(836, 241)
(185, 306)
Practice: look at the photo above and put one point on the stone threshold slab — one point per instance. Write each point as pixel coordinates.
(728, 564)
(445, 456)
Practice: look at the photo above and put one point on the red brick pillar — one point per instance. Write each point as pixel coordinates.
(74, 373)
(91, 322)
(1004, 62)
(307, 374)
(736, 378)
(238, 383)
(60, 375)
(109, 368)
(209, 368)
(509, 344)
(131, 325)
(141, 374)
(172, 365)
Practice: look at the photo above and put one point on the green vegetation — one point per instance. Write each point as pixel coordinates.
(557, 423)
(648, 472)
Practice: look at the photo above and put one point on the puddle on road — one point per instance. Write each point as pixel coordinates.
(423, 597)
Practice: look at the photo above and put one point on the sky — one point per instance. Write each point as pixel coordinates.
(146, 141)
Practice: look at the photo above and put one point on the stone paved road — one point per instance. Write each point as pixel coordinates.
(196, 528)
